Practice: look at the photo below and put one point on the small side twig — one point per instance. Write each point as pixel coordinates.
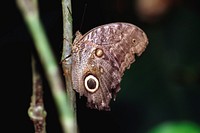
(36, 110)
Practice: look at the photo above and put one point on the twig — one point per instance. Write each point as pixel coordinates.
(66, 54)
(36, 110)
(30, 11)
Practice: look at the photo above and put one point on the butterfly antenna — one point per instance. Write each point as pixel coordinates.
(83, 16)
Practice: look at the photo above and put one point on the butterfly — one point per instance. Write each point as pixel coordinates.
(99, 59)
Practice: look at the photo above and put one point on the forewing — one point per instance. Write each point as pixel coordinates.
(122, 40)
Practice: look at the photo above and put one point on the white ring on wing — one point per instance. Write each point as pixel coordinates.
(91, 77)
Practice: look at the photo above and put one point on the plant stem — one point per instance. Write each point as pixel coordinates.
(36, 110)
(66, 54)
(30, 13)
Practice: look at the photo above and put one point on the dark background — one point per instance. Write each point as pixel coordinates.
(162, 85)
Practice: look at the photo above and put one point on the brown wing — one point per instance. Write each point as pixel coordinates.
(105, 52)
(122, 39)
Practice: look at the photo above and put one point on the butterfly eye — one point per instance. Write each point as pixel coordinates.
(91, 83)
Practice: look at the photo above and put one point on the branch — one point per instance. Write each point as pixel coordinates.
(30, 13)
(36, 110)
(66, 53)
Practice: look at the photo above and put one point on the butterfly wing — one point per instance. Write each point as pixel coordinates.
(100, 58)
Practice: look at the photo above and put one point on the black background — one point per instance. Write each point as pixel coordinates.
(162, 85)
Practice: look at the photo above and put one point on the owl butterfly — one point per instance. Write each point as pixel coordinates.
(99, 59)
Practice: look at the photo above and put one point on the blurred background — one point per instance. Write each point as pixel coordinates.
(161, 90)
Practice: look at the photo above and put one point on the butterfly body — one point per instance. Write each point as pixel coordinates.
(100, 57)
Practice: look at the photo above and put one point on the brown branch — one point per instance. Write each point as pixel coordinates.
(36, 110)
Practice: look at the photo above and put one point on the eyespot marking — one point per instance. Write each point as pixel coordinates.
(133, 41)
(91, 83)
(99, 52)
